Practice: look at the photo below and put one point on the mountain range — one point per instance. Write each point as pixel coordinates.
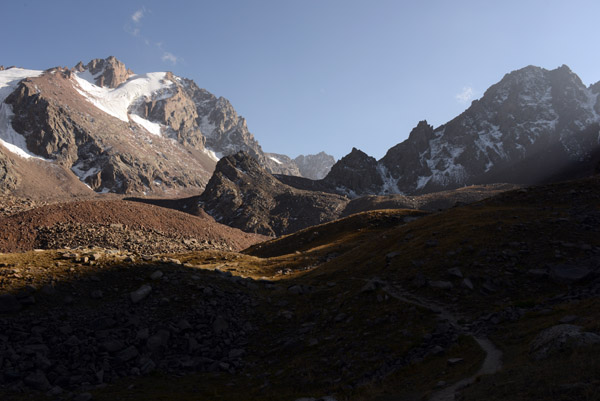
(122, 132)
(101, 128)
(533, 126)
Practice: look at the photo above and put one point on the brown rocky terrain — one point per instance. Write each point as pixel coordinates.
(116, 224)
(471, 297)
(37, 179)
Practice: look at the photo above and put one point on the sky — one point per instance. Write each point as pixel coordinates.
(316, 75)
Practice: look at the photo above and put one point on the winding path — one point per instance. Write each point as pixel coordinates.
(493, 356)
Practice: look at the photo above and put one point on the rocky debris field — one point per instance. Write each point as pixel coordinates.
(90, 318)
(116, 224)
(10, 205)
(98, 317)
(116, 236)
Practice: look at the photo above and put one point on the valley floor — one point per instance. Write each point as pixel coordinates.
(495, 300)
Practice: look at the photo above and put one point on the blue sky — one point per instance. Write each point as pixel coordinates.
(316, 75)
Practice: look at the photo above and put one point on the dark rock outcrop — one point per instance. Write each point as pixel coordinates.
(243, 194)
(355, 173)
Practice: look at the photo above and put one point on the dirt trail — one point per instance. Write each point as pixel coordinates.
(493, 356)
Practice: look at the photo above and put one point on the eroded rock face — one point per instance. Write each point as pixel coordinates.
(242, 194)
(283, 164)
(178, 112)
(225, 131)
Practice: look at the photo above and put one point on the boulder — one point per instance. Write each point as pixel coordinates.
(141, 293)
(558, 338)
(568, 274)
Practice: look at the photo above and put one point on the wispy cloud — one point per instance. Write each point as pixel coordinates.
(138, 15)
(134, 28)
(167, 56)
(465, 95)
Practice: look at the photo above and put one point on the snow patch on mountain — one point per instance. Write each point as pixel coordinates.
(207, 128)
(151, 127)
(83, 173)
(88, 76)
(390, 185)
(440, 158)
(592, 99)
(12, 140)
(80, 171)
(490, 139)
(275, 160)
(117, 101)
(213, 155)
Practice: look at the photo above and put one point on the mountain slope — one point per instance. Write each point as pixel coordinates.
(540, 118)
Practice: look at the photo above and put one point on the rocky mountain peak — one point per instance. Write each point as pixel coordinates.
(238, 164)
(1, 68)
(421, 134)
(356, 156)
(241, 193)
(314, 167)
(108, 72)
(530, 114)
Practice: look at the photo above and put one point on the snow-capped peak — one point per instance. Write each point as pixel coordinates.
(117, 101)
